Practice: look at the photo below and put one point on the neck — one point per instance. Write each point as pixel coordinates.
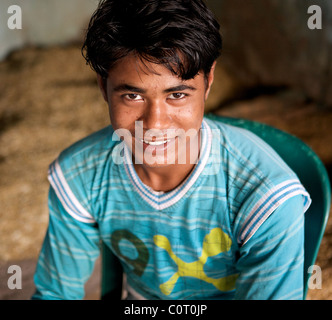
(164, 178)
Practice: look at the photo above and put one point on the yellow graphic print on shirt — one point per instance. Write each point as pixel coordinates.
(214, 243)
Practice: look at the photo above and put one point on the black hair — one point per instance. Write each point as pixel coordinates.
(182, 35)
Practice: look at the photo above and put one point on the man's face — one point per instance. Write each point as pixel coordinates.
(162, 112)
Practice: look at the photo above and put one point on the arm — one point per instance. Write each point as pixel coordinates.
(271, 262)
(68, 255)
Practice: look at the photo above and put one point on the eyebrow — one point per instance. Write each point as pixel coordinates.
(181, 87)
(126, 87)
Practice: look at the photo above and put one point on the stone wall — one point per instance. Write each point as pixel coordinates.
(268, 43)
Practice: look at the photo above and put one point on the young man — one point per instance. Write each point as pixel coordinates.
(193, 209)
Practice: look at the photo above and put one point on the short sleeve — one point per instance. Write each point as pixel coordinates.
(68, 255)
(270, 263)
(263, 201)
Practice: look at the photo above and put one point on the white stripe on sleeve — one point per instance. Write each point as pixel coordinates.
(66, 196)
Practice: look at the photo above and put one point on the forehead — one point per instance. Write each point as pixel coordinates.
(133, 70)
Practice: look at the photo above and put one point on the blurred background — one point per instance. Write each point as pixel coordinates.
(273, 69)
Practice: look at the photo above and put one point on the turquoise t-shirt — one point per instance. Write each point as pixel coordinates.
(234, 229)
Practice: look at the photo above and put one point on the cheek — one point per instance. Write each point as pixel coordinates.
(122, 117)
(191, 116)
(118, 117)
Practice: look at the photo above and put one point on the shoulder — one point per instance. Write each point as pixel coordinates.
(94, 144)
(258, 179)
(246, 151)
(247, 158)
(79, 169)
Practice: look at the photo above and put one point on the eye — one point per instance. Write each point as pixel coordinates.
(133, 97)
(177, 95)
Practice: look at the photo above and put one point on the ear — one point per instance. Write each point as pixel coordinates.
(102, 83)
(210, 80)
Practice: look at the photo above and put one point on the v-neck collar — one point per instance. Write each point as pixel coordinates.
(163, 200)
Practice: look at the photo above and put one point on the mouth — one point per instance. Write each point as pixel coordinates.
(155, 143)
(160, 145)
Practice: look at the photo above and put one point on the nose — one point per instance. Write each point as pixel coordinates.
(156, 115)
